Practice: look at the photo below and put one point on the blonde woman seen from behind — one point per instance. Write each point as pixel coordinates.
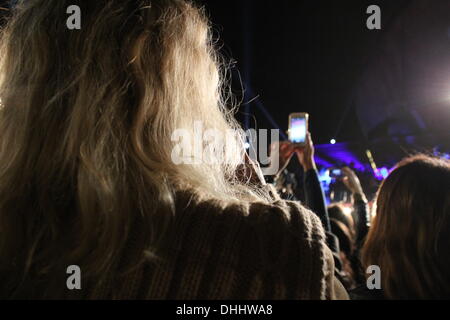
(86, 170)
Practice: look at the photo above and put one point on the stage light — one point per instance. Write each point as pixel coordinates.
(333, 141)
(247, 145)
(384, 172)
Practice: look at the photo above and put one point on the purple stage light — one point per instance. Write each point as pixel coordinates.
(340, 155)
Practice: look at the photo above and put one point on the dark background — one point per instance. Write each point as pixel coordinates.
(385, 90)
(302, 56)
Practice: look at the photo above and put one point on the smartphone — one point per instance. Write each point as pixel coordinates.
(298, 128)
(335, 173)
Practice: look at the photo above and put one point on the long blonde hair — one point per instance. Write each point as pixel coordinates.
(85, 132)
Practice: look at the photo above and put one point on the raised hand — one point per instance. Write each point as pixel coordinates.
(281, 152)
(352, 182)
(306, 154)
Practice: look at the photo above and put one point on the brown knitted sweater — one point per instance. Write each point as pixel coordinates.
(220, 251)
(214, 250)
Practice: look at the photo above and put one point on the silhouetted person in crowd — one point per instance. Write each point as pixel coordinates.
(342, 227)
(88, 178)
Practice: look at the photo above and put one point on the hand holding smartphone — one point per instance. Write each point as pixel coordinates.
(298, 128)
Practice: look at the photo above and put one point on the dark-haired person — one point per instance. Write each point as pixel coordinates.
(409, 238)
(338, 212)
(358, 224)
(360, 214)
(342, 227)
(88, 178)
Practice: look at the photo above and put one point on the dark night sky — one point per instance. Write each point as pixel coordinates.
(302, 56)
